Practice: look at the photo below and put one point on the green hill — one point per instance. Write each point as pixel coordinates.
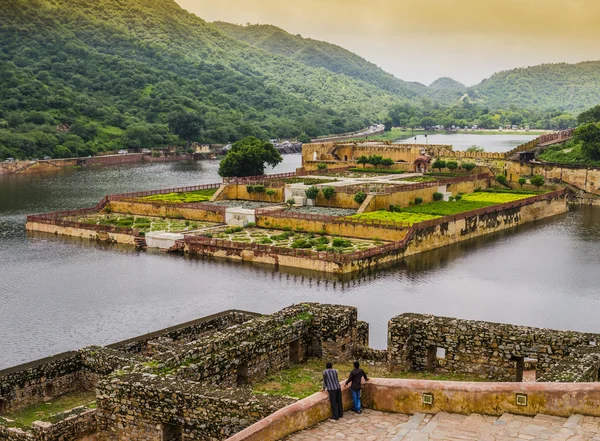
(321, 54)
(446, 90)
(87, 76)
(572, 87)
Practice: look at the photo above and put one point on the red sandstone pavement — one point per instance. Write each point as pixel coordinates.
(373, 425)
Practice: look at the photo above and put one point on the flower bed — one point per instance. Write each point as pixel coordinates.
(496, 197)
(187, 197)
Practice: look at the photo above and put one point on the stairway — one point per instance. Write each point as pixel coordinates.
(140, 242)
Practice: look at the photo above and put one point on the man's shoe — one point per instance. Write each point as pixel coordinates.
(360, 411)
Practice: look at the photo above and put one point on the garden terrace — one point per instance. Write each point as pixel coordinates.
(294, 239)
(184, 197)
(140, 223)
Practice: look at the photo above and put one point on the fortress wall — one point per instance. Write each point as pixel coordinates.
(80, 232)
(346, 229)
(172, 211)
(478, 225)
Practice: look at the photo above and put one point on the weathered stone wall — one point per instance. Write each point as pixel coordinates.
(240, 192)
(187, 330)
(346, 229)
(489, 350)
(581, 365)
(135, 407)
(163, 210)
(32, 383)
(464, 228)
(81, 233)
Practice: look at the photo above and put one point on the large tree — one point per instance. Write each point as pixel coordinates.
(589, 138)
(249, 157)
(589, 116)
(186, 125)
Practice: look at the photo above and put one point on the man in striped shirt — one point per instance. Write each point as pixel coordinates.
(331, 382)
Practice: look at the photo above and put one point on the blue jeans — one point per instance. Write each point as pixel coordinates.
(356, 399)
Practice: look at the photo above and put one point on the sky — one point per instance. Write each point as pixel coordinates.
(422, 40)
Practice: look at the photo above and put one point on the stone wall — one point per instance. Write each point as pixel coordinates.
(240, 192)
(488, 350)
(581, 365)
(164, 210)
(32, 383)
(81, 233)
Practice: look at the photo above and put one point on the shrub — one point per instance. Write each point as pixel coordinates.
(232, 230)
(283, 236)
(259, 188)
(522, 181)
(287, 228)
(299, 230)
(187, 223)
(328, 192)
(321, 166)
(362, 160)
(312, 192)
(375, 160)
(301, 243)
(439, 164)
(251, 225)
(341, 243)
(437, 196)
(265, 241)
(468, 166)
(537, 180)
(190, 151)
(452, 165)
(208, 235)
(477, 190)
(458, 197)
(418, 200)
(501, 179)
(322, 232)
(250, 188)
(323, 240)
(290, 202)
(321, 248)
(155, 153)
(451, 199)
(360, 197)
(271, 192)
(107, 209)
(387, 162)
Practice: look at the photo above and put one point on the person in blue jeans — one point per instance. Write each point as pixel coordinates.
(355, 378)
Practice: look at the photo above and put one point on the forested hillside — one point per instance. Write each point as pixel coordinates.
(83, 76)
(321, 54)
(573, 87)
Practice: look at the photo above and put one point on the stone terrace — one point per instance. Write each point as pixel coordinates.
(374, 425)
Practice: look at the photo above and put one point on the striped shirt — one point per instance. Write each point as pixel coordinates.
(331, 380)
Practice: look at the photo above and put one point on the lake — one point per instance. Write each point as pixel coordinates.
(58, 294)
(491, 143)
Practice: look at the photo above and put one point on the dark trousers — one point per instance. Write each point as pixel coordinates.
(335, 398)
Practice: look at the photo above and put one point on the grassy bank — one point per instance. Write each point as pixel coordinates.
(187, 198)
(567, 153)
(303, 380)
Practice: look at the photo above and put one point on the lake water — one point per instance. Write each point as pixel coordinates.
(491, 143)
(58, 294)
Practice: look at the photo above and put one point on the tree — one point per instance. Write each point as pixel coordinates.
(589, 116)
(360, 197)
(468, 166)
(249, 157)
(362, 160)
(304, 138)
(328, 192)
(439, 164)
(312, 192)
(522, 181)
(186, 125)
(501, 179)
(375, 160)
(452, 165)
(475, 149)
(387, 162)
(387, 122)
(537, 180)
(589, 138)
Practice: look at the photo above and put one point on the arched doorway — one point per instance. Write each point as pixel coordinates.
(422, 164)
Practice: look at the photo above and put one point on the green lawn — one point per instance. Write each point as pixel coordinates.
(41, 411)
(188, 197)
(303, 380)
(405, 217)
(386, 171)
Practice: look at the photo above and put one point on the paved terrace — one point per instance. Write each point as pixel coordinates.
(372, 425)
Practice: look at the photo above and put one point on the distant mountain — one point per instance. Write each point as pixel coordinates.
(446, 90)
(316, 53)
(446, 83)
(572, 87)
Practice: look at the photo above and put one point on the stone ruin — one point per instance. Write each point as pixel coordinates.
(189, 381)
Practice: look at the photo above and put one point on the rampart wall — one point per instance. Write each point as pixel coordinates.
(160, 209)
